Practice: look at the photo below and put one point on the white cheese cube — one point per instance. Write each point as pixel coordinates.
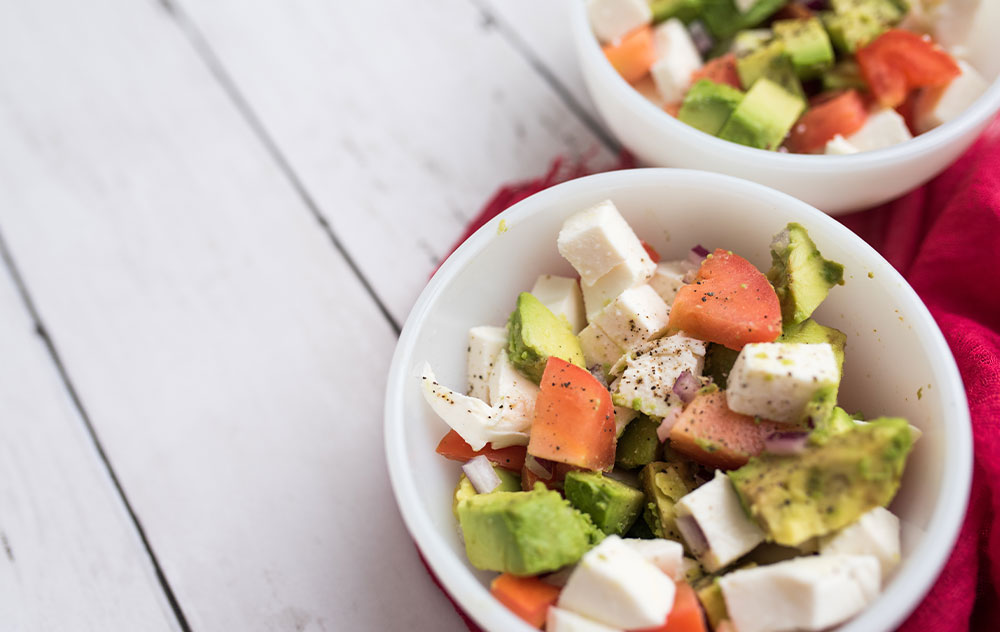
(967, 29)
(636, 316)
(666, 555)
(669, 278)
(775, 380)
(616, 586)
(623, 417)
(805, 593)
(936, 106)
(597, 240)
(559, 620)
(875, 533)
(884, 128)
(512, 395)
(598, 348)
(563, 298)
(473, 420)
(714, 525)
(599, 295)
(838, 146)
(613, 19)
(485, 344)
(650, 372)
(677, 59)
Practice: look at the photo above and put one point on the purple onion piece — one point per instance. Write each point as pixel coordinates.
(693, 534)
(816, 5)
(700, 250)
(786, 443)
(700, 36)
(539, 467)
(686, 386)
(663, 430)
(481, 474)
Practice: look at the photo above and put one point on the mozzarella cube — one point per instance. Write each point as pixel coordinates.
(805, 593)
(559, 620)
(967, 28)
(600, 294)
(714, 525)
(512, 395)
(597, 240)
(623, 417)
(677, 58)
(775, 380)
(666, 555)
(937, 106)
(669, 278)
(485, 344)
(613, 19)
(563, 298)
(616, 586)
(838, 146)
(598, 348)
(471, 418)
(884, 128)
(637, 315)
(875, 533)
(650, 372)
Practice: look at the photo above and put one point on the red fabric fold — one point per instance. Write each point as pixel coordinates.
(944, 237)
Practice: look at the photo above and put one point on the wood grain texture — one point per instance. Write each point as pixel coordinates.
(70, 556)
(230, 361)
(400, 118)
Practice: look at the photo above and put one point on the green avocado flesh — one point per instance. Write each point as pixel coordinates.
(724, 19)
(770, 61)
(807, 44)
(708, 105)
(764, 117)
(826, 487)
(811, 332)
(719, 361)
(800, 275)
(664, 485)
(509, 482)
(536, 334)
(524, 533)
(855, 23)
(612, 506)
(684, 10)
(639, 444)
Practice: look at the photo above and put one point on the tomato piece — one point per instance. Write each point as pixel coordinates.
(711, 434)
(686, 615)
(898, 62)
(655, 256)
(843, 114)
(558, 477)
(574, 418)
(634, 55)
(730, 303)
(527, 597)
(453, 446)
(720, 70)
(673, 108)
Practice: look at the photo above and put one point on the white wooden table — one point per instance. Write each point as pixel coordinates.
(214, 217)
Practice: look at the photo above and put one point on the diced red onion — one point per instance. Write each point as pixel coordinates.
(481, 474)
(816, 5)
(700, 36)
(785, 443)
(686, 386)
(693, 534)
(663, 430)
(538, 467)
(700, 250)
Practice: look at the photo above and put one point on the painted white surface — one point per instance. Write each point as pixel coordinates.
(230, 359)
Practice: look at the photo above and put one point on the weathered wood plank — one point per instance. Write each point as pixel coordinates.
(230, 361)
(401, 118)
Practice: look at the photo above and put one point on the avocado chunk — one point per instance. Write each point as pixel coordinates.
(712, 602)
(810, 332)
(750, 40)
(524, 533)
(509, 482)
(535, 334)
(800, 275)
(764, 117)
(807, 44)
(820, 407)
(770, 61)
(723, 18)
(719, 361)
(684, 10)
(664, 484)
(837, 422)
(854, 24)
(826, 487)
(708, 105)
(639, 444)
(612, 506)
(846, 75)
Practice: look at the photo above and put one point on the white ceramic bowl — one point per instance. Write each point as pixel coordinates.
(835, 184)
(897, 361)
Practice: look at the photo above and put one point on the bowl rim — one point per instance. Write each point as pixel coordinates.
(893, 604)
(589, 52)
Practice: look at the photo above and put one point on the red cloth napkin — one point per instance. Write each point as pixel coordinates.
(945, 239)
